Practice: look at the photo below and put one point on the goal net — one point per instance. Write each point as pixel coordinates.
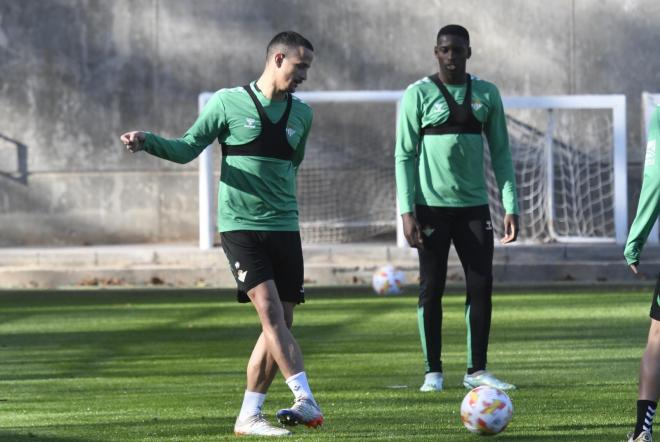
(568, 154)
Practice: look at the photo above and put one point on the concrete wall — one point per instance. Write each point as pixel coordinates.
(74, 74)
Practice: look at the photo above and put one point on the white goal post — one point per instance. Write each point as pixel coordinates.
(649, 102)
(615, 105)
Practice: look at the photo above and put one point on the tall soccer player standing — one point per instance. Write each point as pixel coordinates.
(262, 129)
(442, 193)
(647, 214)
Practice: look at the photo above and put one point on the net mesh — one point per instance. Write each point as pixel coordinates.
(577, 201)
(346, 188)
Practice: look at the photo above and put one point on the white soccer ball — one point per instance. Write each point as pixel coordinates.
(486, 410)
(388, 280)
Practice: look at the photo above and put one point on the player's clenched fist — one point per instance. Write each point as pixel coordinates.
(134, 141)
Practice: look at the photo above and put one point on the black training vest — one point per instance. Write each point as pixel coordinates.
(272, 142)
(461, 119)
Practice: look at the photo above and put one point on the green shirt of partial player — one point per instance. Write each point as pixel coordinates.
(649, 199)
(448, 170)
(256, 193)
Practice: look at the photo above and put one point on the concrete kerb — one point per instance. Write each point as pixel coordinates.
(336, 265)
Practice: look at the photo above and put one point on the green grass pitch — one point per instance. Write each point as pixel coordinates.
(168, 365)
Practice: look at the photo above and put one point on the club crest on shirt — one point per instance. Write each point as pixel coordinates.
(476, 104)
(649, 160)
(290, 132)
(438, 107)
(250, 123)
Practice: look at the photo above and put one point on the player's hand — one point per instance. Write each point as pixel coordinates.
(412, 231)
(633, 267)
(134, 141)
(510, 228)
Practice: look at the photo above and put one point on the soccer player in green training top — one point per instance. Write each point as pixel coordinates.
(647, 214)
(442, 194)
(262, 128)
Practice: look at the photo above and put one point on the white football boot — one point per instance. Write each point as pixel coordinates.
(258, 426)
(303, 411)
(432, 382)
(644, 436)
(485, 378)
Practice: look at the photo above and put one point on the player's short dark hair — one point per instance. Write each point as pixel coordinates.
(457, 30)
(289, 39)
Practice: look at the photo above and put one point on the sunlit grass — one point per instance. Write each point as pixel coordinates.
(169, 365)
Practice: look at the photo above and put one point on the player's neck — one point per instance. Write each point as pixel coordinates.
(452, 77)
(267, 87)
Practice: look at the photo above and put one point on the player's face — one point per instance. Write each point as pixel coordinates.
(452, 53)
(293, 68)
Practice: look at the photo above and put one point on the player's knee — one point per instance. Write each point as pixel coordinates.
(288, 313)
(431, 292)
(654, 333)
(270, 313)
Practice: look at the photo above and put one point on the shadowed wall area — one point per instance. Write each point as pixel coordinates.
(75, 74)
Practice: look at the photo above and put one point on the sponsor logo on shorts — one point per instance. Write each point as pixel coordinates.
(428, 231)
(240, 274)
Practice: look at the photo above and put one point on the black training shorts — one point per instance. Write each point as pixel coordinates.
(655, 303)
(257, 256)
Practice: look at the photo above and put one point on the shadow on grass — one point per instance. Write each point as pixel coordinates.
(34, 437)
(152, 429)
(168, 332)
(167, 327)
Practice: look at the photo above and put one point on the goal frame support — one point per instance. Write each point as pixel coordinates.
(615, 103)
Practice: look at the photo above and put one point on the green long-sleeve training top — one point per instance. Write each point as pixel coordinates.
(256, 193)
(649, 199)
(448, 170)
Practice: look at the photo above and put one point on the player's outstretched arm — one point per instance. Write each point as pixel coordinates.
(134, 141)
(510, 228)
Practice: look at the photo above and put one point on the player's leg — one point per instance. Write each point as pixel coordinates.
(649, 376)
(250, 261)
(278, 339)
(285, 250)
(261, 369)
(250, 267)
(433, 274)
(277, 344)
(305, 409)
(472, 234)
